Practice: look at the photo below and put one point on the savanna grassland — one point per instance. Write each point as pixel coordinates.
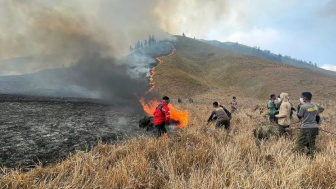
(198, 156)
(201, 156)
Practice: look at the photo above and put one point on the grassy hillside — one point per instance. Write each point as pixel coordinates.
(266, 54)
(197, 68)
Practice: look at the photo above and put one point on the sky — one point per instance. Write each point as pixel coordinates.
(301, 29)
(46, 28)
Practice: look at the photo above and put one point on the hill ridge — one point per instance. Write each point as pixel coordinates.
(217, 69)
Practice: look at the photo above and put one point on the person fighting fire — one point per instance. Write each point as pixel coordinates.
(162, 117)
(219, 114)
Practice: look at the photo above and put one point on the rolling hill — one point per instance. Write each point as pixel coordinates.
(198, 68)
(266, 54)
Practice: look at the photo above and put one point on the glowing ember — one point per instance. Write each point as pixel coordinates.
(176, 115)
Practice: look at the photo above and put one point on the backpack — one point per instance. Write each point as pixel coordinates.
(292, 112)
(227, 112)
(160, 107)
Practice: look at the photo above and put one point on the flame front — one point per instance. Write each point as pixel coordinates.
(149, 107)
(151, 77)
(177, 115)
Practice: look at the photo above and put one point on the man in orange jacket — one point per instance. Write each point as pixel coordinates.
(162, 116)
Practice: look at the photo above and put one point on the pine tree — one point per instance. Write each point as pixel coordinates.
(153, 38)
(150, 42)
(138, 45)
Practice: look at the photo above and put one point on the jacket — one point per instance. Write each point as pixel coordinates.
(285, 110)
(271, 108)
(162, 114)
(219, 113)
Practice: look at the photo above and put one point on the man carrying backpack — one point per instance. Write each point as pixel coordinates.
(162, 117)
(222, 118)
(228, 113)
(309, 116)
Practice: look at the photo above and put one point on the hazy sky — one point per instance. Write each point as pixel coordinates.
(299, 28)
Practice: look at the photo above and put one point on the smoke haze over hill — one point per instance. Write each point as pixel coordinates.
(87, 37)
(62, 32)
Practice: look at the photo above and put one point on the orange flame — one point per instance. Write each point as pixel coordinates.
(151, 77)
(177, 115)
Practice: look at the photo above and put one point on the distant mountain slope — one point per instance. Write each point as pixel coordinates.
(198, 68)
(269, 55)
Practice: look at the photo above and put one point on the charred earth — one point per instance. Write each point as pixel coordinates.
(46, 129)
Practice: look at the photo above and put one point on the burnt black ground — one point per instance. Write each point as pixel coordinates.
(46, 130)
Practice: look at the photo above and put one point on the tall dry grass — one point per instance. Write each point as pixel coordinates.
(199, 156)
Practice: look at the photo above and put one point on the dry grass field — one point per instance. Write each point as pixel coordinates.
(201, 156)
(198, 156)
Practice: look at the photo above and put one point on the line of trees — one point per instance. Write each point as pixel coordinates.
(279, 58)
(139, 44)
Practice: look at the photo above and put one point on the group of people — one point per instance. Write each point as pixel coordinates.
(220, 113)
(281, 112)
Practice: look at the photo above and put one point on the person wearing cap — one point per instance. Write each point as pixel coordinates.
(162, 117)
(308, 113)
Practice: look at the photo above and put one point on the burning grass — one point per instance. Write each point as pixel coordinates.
(197, 156)
(151, 80)
(177, 115)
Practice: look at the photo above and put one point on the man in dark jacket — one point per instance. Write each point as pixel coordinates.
(222, 118)
(309, 115)
(162, 117)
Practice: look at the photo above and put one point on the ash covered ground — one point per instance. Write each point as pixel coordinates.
(46, 129)
(51, 113)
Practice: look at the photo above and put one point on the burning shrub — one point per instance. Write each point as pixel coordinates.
(147, 122)
(179, 117)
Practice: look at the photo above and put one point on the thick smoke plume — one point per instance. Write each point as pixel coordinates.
(89, 38)
(52, 32)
